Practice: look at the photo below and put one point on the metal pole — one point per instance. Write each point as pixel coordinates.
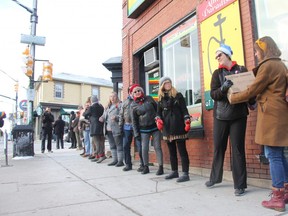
(16, 107)
(5, 135)
(34, 21)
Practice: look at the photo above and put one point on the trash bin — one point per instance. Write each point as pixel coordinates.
(23, 140)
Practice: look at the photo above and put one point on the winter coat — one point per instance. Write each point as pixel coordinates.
(173, 112)
(272, 110)
(47, 120)
(93, 113)
(222, 109)
(125, 115)
(59, 126)
(143, 115)
(112, 110)
(75, 124)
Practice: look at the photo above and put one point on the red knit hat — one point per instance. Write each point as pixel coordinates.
(132, 87)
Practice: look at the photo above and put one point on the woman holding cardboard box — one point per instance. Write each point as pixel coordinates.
(270, 86)
(229, 121)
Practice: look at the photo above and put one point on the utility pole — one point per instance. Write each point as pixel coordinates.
(33, 21)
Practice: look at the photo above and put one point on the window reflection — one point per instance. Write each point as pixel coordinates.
(181, 63)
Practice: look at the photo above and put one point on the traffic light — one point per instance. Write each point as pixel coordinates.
(28, 61)
(16, 86)
(47, 71)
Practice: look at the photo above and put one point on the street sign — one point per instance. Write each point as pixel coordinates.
(23, 105)
(30, 39)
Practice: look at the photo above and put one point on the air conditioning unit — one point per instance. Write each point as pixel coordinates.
(151, 57)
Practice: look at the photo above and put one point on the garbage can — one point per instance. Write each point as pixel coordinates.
(23, 140)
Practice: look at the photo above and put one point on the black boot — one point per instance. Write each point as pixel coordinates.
(145, 170)
(160, 170)
(141, 168)
(173, 174)
(119, 164)
(184, 177)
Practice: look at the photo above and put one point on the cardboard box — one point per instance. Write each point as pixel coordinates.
(240, 82)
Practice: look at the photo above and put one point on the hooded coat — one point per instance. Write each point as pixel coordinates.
(272, 110)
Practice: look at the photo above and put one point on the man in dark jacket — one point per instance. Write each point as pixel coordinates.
(47, 120)
(71, 131)
(93, 113)
(59, 131)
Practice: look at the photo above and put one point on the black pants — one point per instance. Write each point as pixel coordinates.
(181, 145)
(73, 140)
(236, 130)
(59, 138)
(46, 132)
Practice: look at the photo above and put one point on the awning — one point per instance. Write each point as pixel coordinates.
(67, 111)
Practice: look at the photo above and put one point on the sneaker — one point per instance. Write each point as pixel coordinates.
(101, 159)
(140, 169)
(239, 192)
(50, 151)
(42, 151)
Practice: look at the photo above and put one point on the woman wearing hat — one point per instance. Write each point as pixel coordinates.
(270, 86)
(144, 126)
(173, 120)
(229, 122)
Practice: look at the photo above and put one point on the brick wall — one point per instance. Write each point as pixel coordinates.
(147, 27)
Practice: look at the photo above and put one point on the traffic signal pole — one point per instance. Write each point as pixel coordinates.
(33, 21)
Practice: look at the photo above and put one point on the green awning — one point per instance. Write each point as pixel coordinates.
(67, 111)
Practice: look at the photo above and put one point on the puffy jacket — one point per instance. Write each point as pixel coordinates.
(143, 116)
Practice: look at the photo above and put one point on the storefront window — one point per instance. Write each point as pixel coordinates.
(181, 63)
(272, 20)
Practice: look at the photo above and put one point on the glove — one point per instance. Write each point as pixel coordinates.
(159, 124)
(187, 125)
(226, 85)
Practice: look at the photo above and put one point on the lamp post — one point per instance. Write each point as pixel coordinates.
(33, 21)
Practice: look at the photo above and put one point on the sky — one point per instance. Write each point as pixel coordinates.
(80, 36)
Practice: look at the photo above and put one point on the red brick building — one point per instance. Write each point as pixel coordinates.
(178, 38)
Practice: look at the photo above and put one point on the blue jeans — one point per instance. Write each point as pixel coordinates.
(127, 140)
(278, 165)
(87, 142)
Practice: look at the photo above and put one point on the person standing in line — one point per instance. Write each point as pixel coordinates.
(71, 132)
(112, 129)
(59, 126)
(85, 125)
(144, 126)
(174, 121)
(93, 113)
(47, 128)
(76, 130)
(125, 122)
(229, 121)
(270, 86)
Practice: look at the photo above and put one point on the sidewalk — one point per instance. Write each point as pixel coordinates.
(64, 183)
